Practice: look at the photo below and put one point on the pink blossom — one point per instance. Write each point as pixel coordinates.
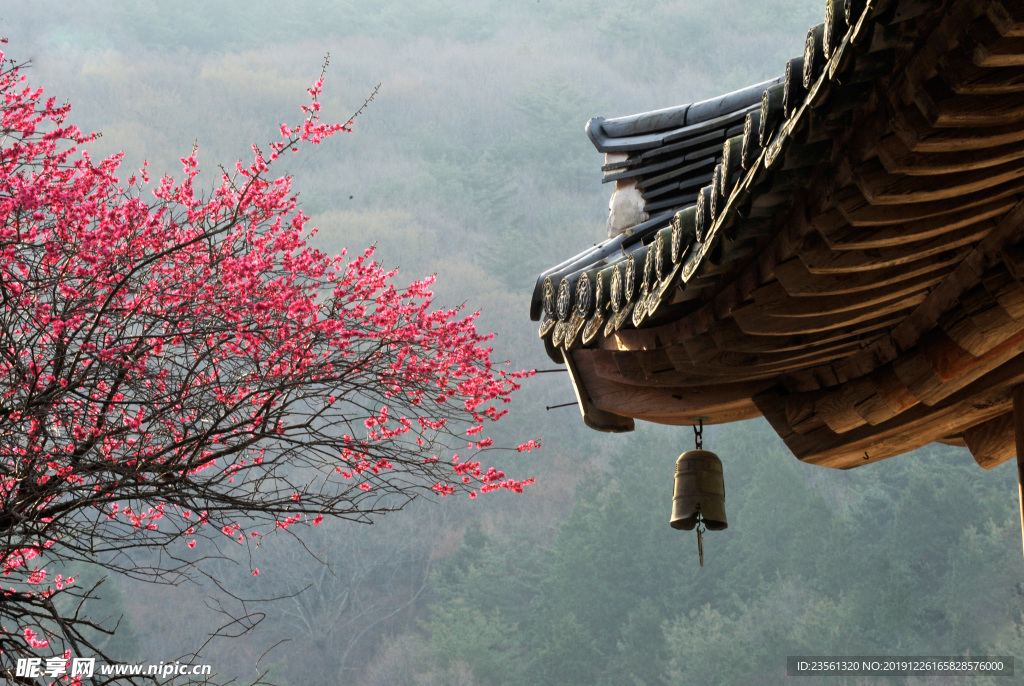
(171, 328)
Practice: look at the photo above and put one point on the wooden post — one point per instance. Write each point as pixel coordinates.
(1018, 431)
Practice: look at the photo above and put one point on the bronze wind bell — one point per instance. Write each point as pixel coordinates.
(699, 499)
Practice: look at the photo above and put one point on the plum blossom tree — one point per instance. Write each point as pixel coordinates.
(178, 365)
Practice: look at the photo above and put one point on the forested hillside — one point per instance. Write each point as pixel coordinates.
(472, 163)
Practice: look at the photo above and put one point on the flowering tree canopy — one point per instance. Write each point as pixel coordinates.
(177, 365)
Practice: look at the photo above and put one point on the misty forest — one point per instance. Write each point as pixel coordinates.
(472, 163)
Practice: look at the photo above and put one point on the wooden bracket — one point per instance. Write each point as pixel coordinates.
(1018, 429)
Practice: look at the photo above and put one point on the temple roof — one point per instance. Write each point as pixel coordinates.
(839, 249)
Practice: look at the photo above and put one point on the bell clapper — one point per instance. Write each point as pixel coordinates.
(698, 440)
(700, 538)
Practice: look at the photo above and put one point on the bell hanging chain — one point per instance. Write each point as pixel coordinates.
(698, 434)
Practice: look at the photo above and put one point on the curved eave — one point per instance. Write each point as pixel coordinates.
(860, 282)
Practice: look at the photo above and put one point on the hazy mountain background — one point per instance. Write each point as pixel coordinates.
(472, 163)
